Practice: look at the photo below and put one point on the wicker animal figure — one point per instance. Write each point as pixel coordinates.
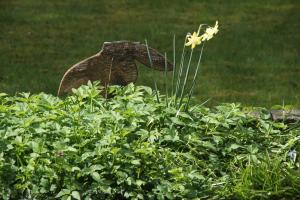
(114, 65)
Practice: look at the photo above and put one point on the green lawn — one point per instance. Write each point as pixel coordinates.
(253, 60)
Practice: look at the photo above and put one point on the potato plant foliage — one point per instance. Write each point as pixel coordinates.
(129, 146)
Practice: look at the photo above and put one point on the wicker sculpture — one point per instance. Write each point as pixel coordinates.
(114, 65)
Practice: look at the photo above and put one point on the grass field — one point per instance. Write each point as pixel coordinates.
(253, 60)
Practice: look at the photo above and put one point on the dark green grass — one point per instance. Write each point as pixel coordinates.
(253, 60)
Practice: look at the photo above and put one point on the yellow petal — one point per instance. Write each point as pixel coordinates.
(189, 42)
(199, 40)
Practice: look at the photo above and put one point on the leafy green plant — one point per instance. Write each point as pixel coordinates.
(132, 147)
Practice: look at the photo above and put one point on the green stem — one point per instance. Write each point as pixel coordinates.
(150, 60)
(195, 76)
(174, 65)
(180, 71)
(19, 159)
(185, 79)
(166, 85)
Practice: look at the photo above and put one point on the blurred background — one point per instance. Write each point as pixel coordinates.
(254, 59)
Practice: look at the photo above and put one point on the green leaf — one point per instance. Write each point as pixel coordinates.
(139, 182)
(147, 89)
(96, 176)
(69, 197)
(63, 192)
(176, 120)
(254, 159)
(73, 169)
(75, 195)
(185, 115)
(3, 94)
(234, 147)
(135, 162)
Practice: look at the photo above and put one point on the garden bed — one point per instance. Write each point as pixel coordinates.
(132, 147)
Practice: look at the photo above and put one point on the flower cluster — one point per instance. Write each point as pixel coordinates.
(195, 39)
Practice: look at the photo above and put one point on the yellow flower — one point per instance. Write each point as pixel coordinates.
(193, 40)
(210, 32)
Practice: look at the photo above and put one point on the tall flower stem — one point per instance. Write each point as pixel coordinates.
(185, 79)
(195, 76)
(166, 83)
(174, 65)
(151, 64)
(180, 72)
